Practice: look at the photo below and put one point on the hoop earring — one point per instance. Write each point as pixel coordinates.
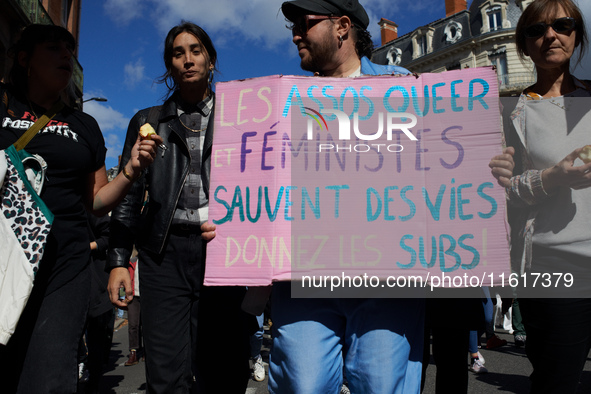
(340, 41)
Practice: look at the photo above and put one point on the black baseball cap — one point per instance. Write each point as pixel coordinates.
(350, 8)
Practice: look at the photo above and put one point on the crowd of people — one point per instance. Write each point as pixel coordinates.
(159, 204)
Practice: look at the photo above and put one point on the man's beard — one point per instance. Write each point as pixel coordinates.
(319, 56)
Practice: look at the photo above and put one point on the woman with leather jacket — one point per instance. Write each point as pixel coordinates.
(162, 215)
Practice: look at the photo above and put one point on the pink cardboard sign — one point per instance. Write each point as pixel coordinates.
(377, 176)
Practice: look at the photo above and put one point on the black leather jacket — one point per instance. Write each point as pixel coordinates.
(163, 180)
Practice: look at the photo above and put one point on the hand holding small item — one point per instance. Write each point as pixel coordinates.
(567, 174)
(143, 152)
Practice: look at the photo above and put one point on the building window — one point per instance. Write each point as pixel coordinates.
(494, 15)
(498, 58)
(394, 56)
(494, 18)
(66, 6)
(500, 62)
(422, 41)
(452, 32)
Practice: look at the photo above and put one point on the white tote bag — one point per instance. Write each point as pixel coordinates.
(25, 222)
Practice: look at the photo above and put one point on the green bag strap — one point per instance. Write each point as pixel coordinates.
(38, 125)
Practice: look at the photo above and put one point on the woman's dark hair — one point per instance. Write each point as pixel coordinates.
(30, 37)
(191, 28)
(363, 42)
(541, 10)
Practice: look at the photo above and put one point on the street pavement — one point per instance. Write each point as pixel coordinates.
(508, 370)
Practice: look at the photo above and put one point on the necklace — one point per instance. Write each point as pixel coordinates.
(190, 129)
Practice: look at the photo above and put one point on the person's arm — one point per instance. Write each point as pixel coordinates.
(125, 220)
(99, 227)
(103, 195)
(525, 186)
(533, 187)
(101, 233)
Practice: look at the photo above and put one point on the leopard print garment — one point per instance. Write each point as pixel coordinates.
(26, 218)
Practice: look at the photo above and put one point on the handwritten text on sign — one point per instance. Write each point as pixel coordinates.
(382, 175)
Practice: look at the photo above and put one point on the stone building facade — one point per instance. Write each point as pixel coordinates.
(481, 35)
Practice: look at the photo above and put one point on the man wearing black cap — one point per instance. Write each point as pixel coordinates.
(332, 39)
(379, 341)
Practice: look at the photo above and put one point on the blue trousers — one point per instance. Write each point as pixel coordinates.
(487, 304)
(379, 342)
(256, 339)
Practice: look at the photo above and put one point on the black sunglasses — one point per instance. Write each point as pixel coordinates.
(302, 25)
(560, 25)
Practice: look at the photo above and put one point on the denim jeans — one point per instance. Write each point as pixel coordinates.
(256, 339)
(475, 335)
(379, 341)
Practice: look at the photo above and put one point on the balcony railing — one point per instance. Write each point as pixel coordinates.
(516, 82)
(36, 13)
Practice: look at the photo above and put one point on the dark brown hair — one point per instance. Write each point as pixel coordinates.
(541, 10)
(363, 42)
(191, 28)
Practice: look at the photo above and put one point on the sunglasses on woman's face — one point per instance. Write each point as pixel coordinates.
(560, 25)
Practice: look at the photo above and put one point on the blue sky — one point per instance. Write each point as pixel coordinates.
(121, 43)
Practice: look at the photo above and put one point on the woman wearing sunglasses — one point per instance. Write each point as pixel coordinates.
(549, 197)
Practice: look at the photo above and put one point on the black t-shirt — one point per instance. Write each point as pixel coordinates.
(73, 147)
